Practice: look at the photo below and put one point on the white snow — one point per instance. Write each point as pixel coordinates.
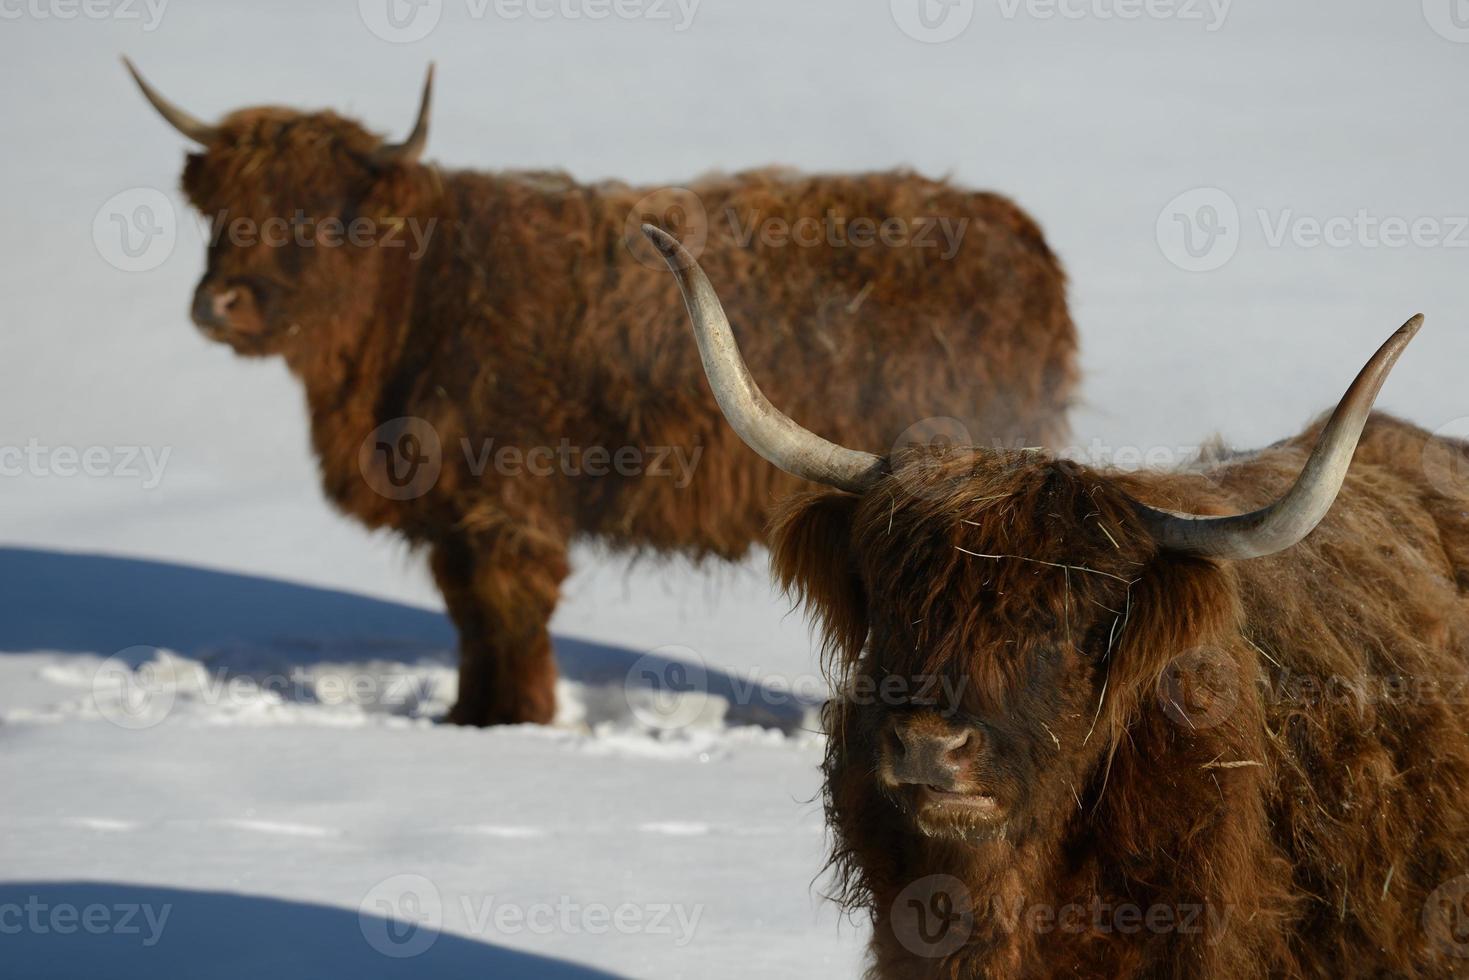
(277, 820)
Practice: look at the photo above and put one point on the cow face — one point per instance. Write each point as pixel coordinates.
(975, 610)
(307, 214)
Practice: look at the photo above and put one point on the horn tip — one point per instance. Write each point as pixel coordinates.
(668, 246)
(1414, 325)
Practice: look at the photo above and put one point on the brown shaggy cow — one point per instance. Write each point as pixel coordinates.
(492, 372)
(1078, 736)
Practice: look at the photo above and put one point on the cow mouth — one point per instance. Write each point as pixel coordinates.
(972, 805)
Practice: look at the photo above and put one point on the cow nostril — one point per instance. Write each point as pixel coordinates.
(226, 301)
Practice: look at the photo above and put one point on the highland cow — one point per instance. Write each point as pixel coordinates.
(492, 372)
(1082, 732)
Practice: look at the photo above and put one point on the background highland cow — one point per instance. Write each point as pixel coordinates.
(439, 376)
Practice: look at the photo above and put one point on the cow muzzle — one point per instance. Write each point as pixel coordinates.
(225, 311)
(930, 764)
(925, 751)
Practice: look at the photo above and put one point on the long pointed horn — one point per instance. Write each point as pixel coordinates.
(1287, 522)
(760, 424)
(412, 148)
(199, 132)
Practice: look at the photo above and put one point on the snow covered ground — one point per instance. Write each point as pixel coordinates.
(1249, 196)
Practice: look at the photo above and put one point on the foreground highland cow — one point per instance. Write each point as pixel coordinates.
(492, 372)
(1080, 735)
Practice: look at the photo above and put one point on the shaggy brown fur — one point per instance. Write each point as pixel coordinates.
(529, 321)
(1269, 758)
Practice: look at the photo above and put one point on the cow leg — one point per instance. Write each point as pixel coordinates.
(501, 589)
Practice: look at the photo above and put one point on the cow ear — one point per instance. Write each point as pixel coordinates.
(811, 553)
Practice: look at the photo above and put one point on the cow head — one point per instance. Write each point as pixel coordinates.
(994, 620)
(306, 214)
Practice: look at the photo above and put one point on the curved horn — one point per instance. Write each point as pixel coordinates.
(760, 424)
(180, 120)
(1287, 521)
(412, 148)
